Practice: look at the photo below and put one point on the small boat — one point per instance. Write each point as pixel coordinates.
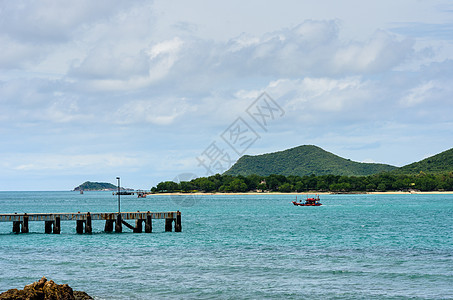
(308, 202)
(123, 193)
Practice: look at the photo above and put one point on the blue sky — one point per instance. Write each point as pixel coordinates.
(148, 90)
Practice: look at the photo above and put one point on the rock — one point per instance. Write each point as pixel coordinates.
(45, 290)
(79, 295)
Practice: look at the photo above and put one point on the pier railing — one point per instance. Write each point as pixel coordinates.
(84, 219)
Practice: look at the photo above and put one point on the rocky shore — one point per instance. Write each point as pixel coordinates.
(45, 290)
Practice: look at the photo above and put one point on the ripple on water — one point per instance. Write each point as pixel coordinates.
(353, 247)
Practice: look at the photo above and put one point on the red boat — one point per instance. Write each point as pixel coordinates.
(308, 202)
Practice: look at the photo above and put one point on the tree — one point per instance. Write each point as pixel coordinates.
(273, 182)
(167, 186)
(238, 185)
(286, 188)
(426, 183)
(252, 181)
(186, 186)
(335, 183)
(322, 185)
(311, 182)
(381, 187)
(300, 186)
(261, 186)
(340, 187)
(370, 187)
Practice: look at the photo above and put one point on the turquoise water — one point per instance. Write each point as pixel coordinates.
(240, 247)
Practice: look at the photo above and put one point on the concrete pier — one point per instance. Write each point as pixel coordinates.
(16, 226)
(138, 226)
(148, 224)
(52, 222)
(118, 224)
(48, 226)
(79, 227)
(168, 224)
(25, 224)
(109, 225)
(178, 226)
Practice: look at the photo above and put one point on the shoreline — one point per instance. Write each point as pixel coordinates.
(309, 193)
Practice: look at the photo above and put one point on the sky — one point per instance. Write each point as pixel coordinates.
(161, 90)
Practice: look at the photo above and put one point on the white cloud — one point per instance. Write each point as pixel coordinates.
(75, 76)
(31, 32)
(16, 54)
(312, 48)
(101, 63)
(159, 112)
(381, 53)
(419, 94)
(242, 41)
(321, 94)
(104, 68)
(60, 162)
(52, 21)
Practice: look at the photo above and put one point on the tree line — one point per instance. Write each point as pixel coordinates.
(381, 182)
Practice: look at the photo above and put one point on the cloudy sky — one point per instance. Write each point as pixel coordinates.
(148, 90)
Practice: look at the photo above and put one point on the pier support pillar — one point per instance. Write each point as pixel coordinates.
(109, 225)
(48, 226)
(148, 224)
(118, 224)
(79, 227)
(168, 224)
(88, 228)
(138, 226)
(16, 226)
(178, 222)
(56, 226)
(25, 225)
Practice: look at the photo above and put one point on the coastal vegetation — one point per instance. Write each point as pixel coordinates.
(381, 182)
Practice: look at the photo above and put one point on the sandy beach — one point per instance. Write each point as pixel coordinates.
(315, 193)
(403, 193)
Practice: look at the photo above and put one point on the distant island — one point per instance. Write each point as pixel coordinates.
(96, 186)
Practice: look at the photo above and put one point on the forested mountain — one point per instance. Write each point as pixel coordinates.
(310, 168)
(439, 163)
(301, 161)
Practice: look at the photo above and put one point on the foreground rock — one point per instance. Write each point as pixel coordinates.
(45, 290)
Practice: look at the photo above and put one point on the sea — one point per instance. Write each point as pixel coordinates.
(239, 247)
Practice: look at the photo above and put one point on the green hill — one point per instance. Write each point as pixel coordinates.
(303, 160)
(439, 163)
(95, 186)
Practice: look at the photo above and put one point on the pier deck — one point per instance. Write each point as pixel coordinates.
(83, 220)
